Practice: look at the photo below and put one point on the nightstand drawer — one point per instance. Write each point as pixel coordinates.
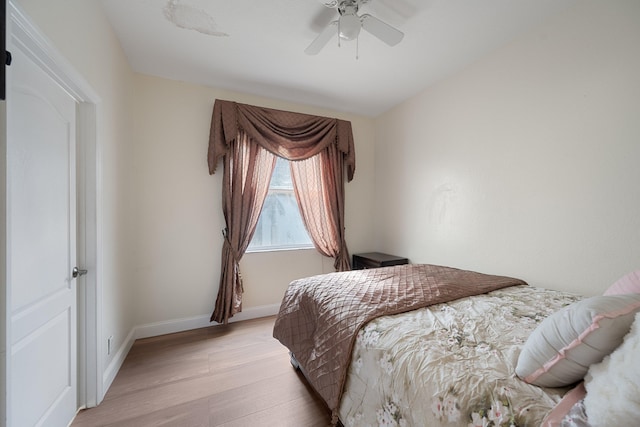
(375, 260)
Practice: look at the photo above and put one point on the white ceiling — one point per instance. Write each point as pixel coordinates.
(257, 46)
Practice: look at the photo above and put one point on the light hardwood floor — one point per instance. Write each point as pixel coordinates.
(231, 376)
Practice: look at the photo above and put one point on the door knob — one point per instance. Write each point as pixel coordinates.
(77, 272)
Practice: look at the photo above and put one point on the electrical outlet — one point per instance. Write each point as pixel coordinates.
(109, 342)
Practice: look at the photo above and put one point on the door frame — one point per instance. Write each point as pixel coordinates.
(22, 32)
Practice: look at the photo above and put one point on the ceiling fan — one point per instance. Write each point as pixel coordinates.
(349, 23)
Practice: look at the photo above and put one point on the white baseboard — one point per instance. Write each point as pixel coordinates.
(188, 323)
(173, 326)
(110, 373)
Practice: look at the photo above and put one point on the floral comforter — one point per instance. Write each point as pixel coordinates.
(451, 364)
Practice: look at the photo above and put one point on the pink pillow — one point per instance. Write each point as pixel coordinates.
(629, 284)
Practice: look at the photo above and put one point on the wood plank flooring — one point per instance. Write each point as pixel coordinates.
(228, 376)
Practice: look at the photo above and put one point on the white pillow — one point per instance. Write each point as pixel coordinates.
(561, 349)
(613, 386)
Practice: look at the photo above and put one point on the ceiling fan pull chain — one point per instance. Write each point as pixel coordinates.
(357, 48)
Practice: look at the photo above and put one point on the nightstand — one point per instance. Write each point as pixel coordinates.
(375, 260)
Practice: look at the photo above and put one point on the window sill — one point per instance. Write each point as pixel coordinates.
(280, 249)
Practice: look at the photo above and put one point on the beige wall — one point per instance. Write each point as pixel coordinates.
(525, 163)
(178, 205)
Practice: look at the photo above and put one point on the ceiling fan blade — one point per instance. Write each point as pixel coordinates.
(381, 30)
(329, 32)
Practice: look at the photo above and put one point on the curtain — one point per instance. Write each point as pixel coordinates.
(245, 183)
(319, 188)
(248, 138)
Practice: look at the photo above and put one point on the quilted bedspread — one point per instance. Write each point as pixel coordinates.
(320, 316)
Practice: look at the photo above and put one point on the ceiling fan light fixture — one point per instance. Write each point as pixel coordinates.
(349, 26)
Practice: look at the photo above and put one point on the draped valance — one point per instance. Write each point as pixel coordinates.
(293, 136)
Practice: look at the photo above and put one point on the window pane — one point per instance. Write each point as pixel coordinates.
(280, 225)
(281, 177)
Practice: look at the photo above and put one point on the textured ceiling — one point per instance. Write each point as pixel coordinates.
(257, 46)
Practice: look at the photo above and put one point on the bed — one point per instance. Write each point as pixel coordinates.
(422, 345)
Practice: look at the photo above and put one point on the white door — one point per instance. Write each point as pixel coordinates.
(42, 248)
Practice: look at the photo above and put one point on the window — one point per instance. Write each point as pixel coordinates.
(280, 225)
